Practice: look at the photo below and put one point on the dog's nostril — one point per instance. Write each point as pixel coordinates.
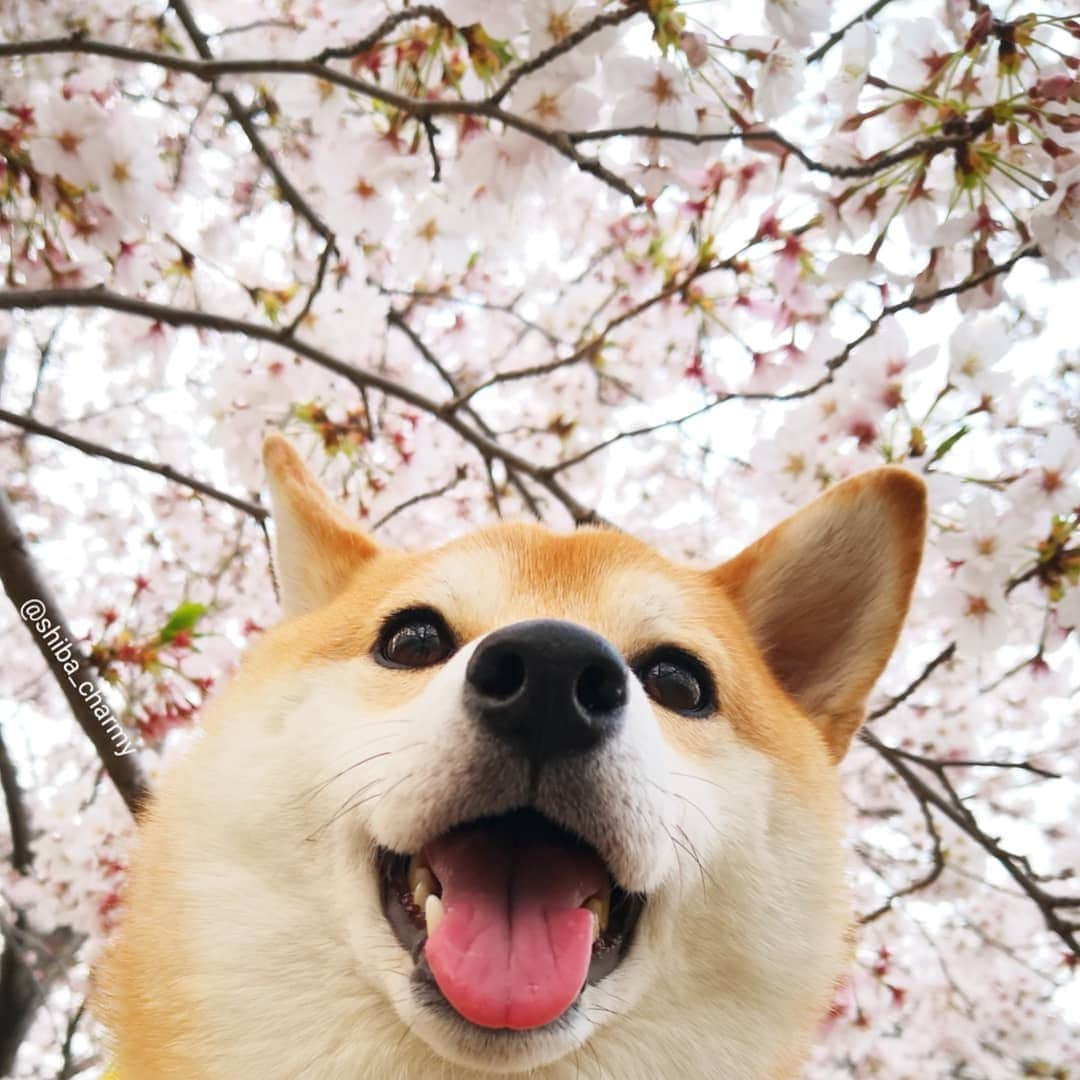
(499, 675)
(600, 689)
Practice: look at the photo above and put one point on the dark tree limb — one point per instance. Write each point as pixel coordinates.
(19, 998)
(30, 964)
(18, 820)
(25, 585)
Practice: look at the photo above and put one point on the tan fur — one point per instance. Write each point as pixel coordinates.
(253, 946)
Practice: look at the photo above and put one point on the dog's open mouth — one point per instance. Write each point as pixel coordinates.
(511, 916)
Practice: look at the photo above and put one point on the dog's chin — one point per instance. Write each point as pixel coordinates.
(534, 853)
(431, 1018)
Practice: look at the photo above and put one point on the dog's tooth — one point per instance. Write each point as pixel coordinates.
(600, 906)
(433, 913)
(418, 872)
(422, 885)
(595, 927)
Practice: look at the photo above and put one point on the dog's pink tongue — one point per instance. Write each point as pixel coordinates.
(514, 945)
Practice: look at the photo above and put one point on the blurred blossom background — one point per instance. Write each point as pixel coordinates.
(677, 267)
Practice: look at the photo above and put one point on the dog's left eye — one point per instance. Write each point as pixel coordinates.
(414, 639)
(677, 681)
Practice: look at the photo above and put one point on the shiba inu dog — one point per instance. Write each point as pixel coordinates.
(527, 804)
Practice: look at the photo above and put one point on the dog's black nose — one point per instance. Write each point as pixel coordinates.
(549, 688)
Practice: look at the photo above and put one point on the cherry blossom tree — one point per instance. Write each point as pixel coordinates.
(673, 267)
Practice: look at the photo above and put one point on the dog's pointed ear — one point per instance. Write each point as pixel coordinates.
(316, 547)
(826, 591)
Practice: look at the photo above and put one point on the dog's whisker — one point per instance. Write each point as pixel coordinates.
(690, 802)
(703, 780)
(311, 792)
(696, 856)
(342, 810)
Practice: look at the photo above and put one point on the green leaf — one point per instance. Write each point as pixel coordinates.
(948, 444)
(184, 617)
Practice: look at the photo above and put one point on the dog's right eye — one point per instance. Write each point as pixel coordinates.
(414, 639)
(677, 681)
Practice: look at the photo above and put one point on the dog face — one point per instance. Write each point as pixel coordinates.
(527, 801)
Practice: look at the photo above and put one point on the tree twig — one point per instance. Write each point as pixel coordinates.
(35, 427)
(599, 22)
(942, 657)
(424, 496)
(838, 35)
(924, 881)
(387, 26)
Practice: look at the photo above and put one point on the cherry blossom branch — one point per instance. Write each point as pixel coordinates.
(24, 583)
(423, 110)
(563, 142)
(951, 806)
(174, 316)
(199, 40)
(210, 70)
(486, 443)
(35, 427)
(832, 365)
